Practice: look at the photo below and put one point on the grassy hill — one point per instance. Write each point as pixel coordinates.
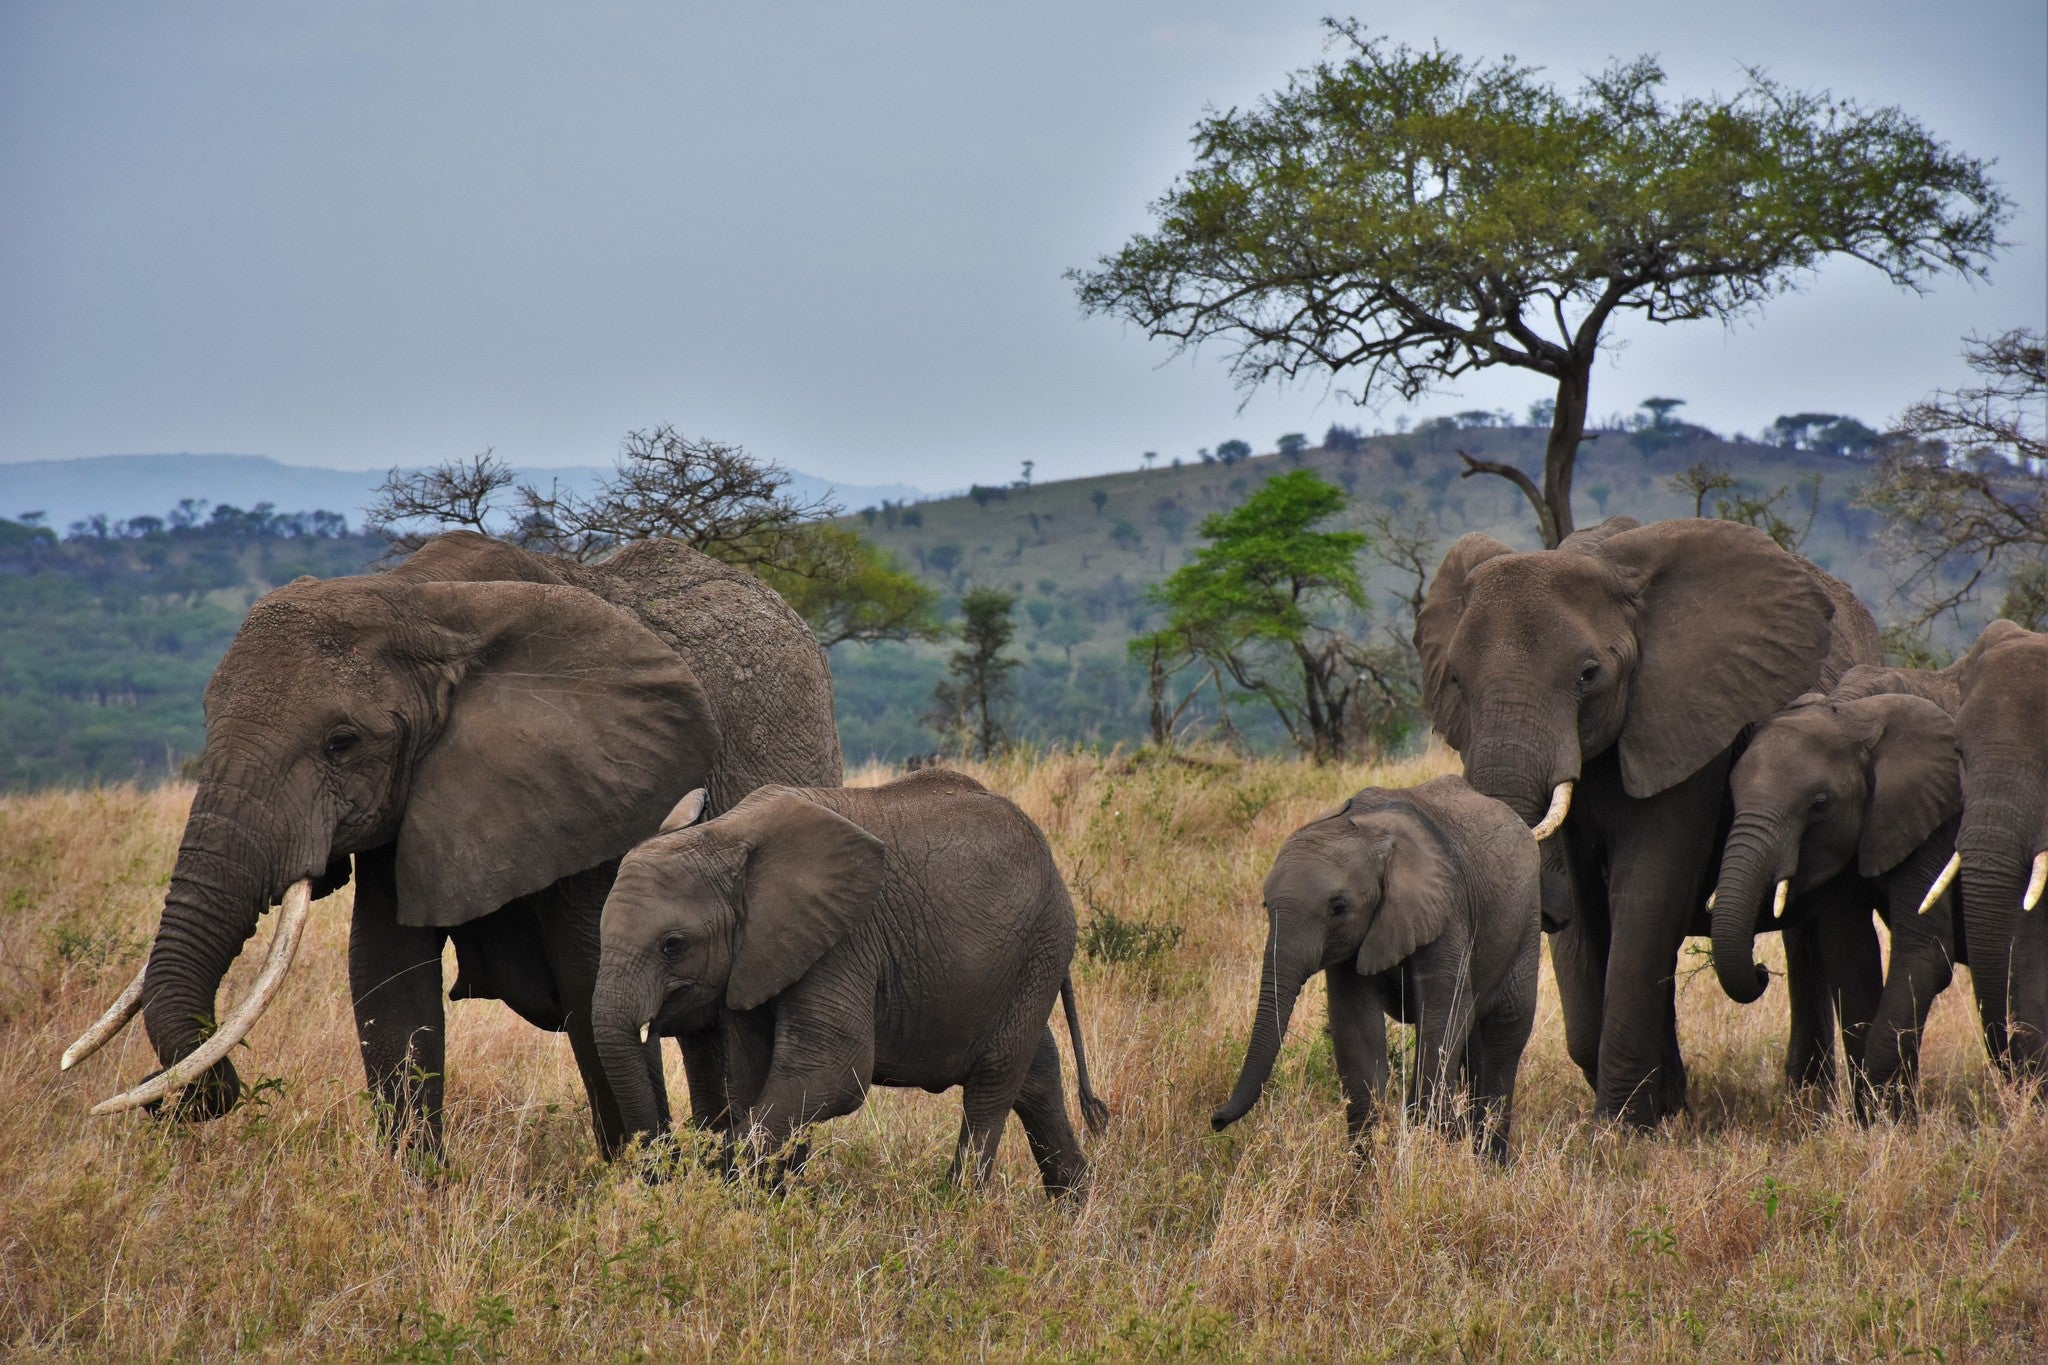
(1079, 554)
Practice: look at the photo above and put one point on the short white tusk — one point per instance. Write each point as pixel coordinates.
(1778, 900)
(284, 945)
(1560, 805)
(1711, 896)
(2036, 883)
(646, 1029)
(125, 1008)
(1941, 882)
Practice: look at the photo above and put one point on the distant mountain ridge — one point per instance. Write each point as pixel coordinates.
(124, 486)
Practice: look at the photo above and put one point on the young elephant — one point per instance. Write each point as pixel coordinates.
(914, 934)
(1422, 904)
(1845, 804)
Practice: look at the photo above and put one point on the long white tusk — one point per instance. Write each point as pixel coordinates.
(124, 1008)
(2036, 883)
(1560, 804)
(1941, 881)
(1778, 900)
(284, 945)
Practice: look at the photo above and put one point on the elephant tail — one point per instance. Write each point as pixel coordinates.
(1093, 1111)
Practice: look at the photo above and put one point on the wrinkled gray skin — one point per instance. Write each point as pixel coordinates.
(483, 731)
(1629, 660)
(1422, 904)
(914, 934)
(2002, 726)
(1853, 800)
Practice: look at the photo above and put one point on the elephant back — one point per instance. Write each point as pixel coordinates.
(1854, 638)
(763, 669)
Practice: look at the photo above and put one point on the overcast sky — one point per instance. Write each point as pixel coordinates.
(372, 234)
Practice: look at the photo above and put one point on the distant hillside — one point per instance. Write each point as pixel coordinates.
(1080, 553)
(123, 486)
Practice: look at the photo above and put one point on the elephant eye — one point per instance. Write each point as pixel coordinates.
(1820, 802)
(1338, 905)
(340, 742)
(1589, 673)
(672, 947)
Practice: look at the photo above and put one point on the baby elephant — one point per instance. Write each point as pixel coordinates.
(1423, 904)
(912, 935)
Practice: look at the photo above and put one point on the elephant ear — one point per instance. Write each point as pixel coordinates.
(1729, 629)
(1437, 623)
(569, 732)
(1915, 777)
(1990, 638)
(811, 877)
(1416, 892)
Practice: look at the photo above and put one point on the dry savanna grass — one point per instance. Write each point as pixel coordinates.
(1750, 1229)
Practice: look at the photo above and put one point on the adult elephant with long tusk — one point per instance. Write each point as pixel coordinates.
(1599, 690)
(2002, 848)
(476, 736)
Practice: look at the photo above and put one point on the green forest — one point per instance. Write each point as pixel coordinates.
(108, 633)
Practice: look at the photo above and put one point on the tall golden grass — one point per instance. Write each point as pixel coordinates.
(1749, 1229)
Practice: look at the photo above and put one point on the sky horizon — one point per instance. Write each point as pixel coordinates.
(389, 235)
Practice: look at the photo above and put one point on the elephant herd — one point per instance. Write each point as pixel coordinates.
(616, 790)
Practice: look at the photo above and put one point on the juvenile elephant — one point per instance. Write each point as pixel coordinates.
(1842, 806)
(1597, 689)
(914, 934)
(482, 731)
(1422, 904)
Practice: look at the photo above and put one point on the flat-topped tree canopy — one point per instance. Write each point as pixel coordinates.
(1406, 216)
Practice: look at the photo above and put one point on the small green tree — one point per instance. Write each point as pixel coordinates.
(1100, 498)
(1292, 447)
(1409, 216)
(970, 702)
(850, 590)
(1271, 603)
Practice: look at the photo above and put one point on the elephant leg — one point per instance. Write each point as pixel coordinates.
(1810, 1046)
(2027, 998)
(819, 1069)
(1578, 960)
(1497, 1044)
(1920, 970)
(394, 975)
(1855, 979)
(704, 1067)
(1042, 1108)
(570, 912)
(1443, 1028)
(1358, 1035)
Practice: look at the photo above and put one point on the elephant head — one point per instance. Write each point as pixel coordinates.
(2003, 840)
(1363, 886)
(722, 915)
(494, 736)
(1820, 788)
(1661, 641)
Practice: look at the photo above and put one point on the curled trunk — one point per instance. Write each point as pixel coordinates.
(1738, 905)
(1279, 987)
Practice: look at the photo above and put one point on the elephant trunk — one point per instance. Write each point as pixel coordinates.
(1279, 986)
(1995, 847)
(1738, 904)
(1513, 760)
(619, 1015)
(234, 862)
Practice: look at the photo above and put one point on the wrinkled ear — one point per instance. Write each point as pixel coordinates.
(812, 875)
(1991, 637)
(1437, 622)
(688, 812)
(1416, 892)
(569, 730)
(1729, 628)
(1915, 778)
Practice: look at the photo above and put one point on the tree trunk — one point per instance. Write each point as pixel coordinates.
(1561, 453)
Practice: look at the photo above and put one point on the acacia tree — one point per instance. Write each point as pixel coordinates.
(1406, 217)
(970, 702)
(1964, 486)
(710, 495)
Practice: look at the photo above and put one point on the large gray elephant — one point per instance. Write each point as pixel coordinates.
(914, 934)
(2002, 727)
(1842, 805)
(1598, 689)
(484, 732)
(1422, 904)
